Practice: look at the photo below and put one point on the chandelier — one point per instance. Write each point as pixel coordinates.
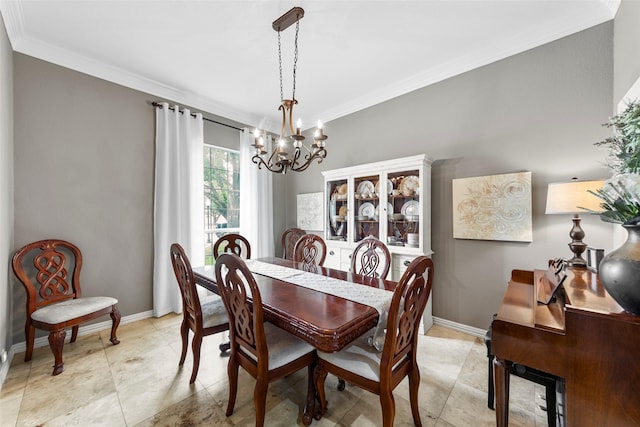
(287, 153)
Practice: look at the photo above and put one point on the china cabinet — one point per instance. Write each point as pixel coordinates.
(390, 200)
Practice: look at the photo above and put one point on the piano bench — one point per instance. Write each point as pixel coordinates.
(547, 380)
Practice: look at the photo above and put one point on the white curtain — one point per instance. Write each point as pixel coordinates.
(256, 201)
(179, 200)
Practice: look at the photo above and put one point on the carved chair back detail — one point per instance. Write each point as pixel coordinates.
(310, 250)
(232, 243)
(371, 258)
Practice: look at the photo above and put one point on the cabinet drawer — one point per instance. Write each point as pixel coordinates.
(400, 264)
(333, 258)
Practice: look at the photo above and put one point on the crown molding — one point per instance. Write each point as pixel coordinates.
(478, 59)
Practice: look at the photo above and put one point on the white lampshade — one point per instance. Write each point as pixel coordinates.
(570, 197)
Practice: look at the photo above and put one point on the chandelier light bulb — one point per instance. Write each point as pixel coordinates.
(298, 126)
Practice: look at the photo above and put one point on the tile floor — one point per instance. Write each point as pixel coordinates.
(139, 383)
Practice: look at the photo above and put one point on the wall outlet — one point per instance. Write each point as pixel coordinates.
(3, 357)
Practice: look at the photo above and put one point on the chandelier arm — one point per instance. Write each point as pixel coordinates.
(320, 155)
(270, 166)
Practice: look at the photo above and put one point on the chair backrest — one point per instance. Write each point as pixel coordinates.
(186, 282)
(232, 243)
(310, 250)
(246, 321)
(49, 270)
(290, 237)
(371, 258)
(407, 305)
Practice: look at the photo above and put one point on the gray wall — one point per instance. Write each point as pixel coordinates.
(6, 185)
(626, 47)
(539, 111)
(84, 171)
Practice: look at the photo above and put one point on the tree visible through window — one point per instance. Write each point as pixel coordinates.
(221, 195)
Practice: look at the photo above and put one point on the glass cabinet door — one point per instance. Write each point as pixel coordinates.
(338, 199)
(366, 203)
(403, 216)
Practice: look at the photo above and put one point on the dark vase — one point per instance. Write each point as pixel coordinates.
(620, 272)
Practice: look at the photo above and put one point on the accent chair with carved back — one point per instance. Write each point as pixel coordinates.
(49, 270)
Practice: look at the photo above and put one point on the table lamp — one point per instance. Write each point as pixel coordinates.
(571, 198)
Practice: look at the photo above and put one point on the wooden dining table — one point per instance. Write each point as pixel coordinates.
(327, 322)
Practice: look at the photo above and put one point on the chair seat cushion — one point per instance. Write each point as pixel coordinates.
(64, 311)
(214, 312)
(283, 346)
(359, 357)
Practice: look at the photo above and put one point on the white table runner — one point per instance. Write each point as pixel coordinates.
(380, 299)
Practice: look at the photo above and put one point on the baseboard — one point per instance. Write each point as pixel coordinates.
(469, 330)
(84, 330)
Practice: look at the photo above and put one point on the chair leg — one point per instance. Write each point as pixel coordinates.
(184, 333)
(115, 321)
(74, 333)
(551, 403)
(341, 384)
(414, 384)
(195, 347)
(319, 376)
(490, 391)
(232, 370)
(388, 408)
(260, 400)
(56, 342)
(29, 333)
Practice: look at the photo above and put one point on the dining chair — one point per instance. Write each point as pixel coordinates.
(49, 270)
(265, 351)
(371, 258)
(310, 250)
(232, 243)
(203, 319)
(289, 238)
(360, 364)
(235, 244)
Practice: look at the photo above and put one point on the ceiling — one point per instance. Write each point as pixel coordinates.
(221, 56)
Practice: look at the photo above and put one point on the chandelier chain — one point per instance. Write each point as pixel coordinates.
(280, 65)
(295, 59)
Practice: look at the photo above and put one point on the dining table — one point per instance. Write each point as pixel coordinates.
(310, 303)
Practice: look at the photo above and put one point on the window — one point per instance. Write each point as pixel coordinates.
(221, 195)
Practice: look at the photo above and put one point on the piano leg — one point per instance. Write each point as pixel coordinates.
(501, 370)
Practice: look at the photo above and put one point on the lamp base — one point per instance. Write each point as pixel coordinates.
(577, 246)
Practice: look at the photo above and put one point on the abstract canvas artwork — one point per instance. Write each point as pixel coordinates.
(493, 207)
(310, 211)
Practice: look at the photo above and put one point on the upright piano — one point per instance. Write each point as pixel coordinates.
(582, 336)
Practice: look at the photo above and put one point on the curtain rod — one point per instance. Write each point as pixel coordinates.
(158, 105)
